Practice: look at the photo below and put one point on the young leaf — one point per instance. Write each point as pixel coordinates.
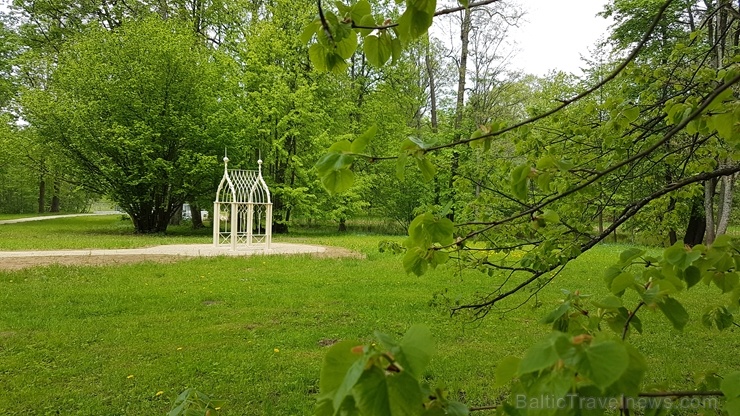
(416, 350)
(519, 180)
(427, 168)
(675, 312)
(338, 181)
(360, 143)
(506, 370)
(604, 362)
(378, 49)
(414, 261)
(542, 355)
(730, 385)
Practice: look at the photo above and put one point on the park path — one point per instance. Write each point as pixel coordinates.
(53, 217)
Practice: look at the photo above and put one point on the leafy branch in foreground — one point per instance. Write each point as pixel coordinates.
(635, 155)
(585, 366)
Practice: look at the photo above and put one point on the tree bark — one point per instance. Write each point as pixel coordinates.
(42, 196)
(195, 216)
(55, 198)
(460, 101)
(709, 189)
(176, 217)
(723, 217)
(697, 224)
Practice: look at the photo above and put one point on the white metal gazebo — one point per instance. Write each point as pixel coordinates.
(242, 212)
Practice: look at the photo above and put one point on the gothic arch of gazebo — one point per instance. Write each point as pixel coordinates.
(242, 211)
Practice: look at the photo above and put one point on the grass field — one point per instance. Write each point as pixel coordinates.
(253, 331)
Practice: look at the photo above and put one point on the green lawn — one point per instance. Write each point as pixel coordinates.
(104, 232)
(106, 340)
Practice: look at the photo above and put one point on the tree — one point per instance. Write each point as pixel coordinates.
(546, 203)
(131, 108)
(668, 124)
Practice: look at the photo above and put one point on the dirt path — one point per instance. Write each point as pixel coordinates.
(53, 217)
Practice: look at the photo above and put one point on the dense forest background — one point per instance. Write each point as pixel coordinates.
(137, 101)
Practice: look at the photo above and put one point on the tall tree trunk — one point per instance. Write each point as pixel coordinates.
(42, 195)
(176, 217)
(55, 198)
(709, 189)
(725, 208)
(697, 223)
(460, 100)
(195, 216)
(432, 111)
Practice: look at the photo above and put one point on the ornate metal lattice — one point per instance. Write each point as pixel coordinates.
(242, 212)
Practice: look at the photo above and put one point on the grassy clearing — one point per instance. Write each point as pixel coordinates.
(253, 330)
(92, 232)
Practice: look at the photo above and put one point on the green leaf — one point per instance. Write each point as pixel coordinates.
(347, 46)
(378, 48)
(719, 317)
(342, 146)
(692, 276)
(542, 355)
(630, 381)
(367, 21)
(463, 3)
(456, 409)
(416, 350)
(401, 165)
(396, 50)
(727, 282)
(675, 312)
(609, 302)
(427, 168)
(333, 161)
(309, 31)
(550, 216)
(317, 54)
(732, 407)
(360, 143)
(604, 362)
(630, 254)
(338, 181)
(506, 370)
(722, 240)
(632, 113)
(414, 261)
(622, 282)
(394, 395)
(337, 361)
(557, 313)
(730, 385)
(725, 125)
(519, 180)
(361, 9)
(426, 230)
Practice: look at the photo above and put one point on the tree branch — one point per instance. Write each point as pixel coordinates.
(583, 94)
(626, 214)
(437, 13)
(677, 128)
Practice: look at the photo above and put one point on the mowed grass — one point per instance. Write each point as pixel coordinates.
(253, 331)
(91, 232)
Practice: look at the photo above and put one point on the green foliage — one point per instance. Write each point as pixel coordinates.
(429, 237)
(132, 109)
(385, 378)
